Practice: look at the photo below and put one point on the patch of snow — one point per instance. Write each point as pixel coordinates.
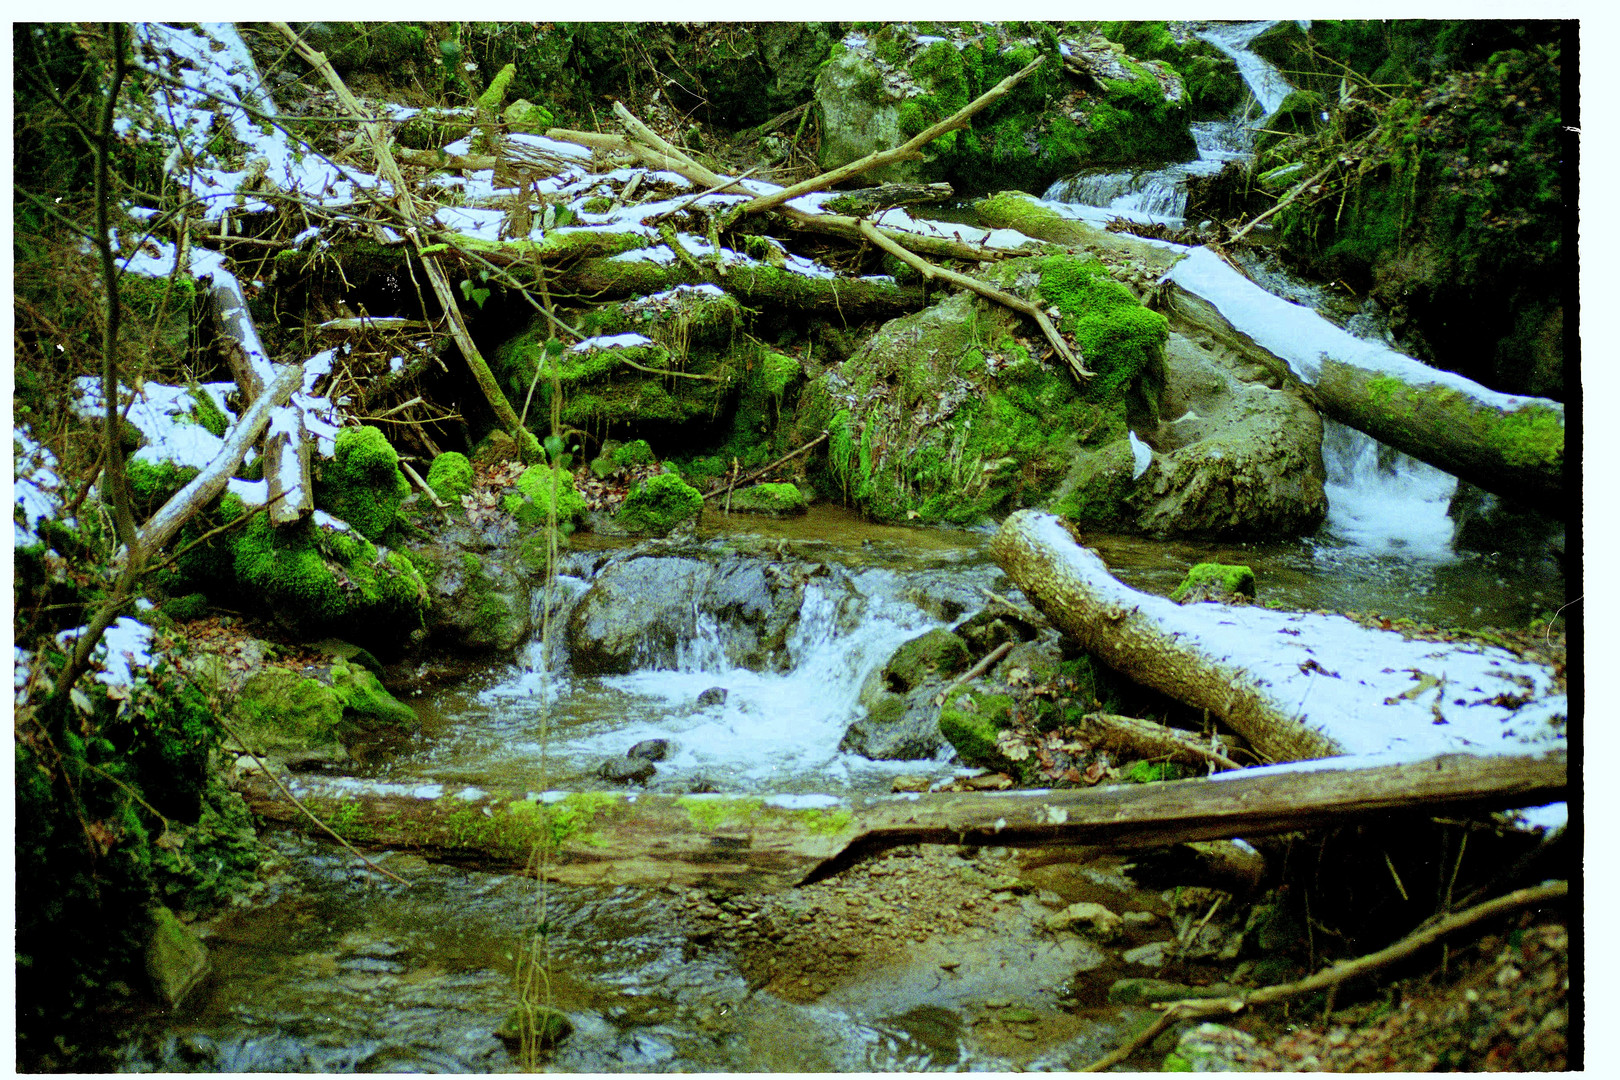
(552, 146)
(124, 645)
(1370, 692)
(323, 520)
(804, 802)
(1141, 456)
(1304, 339)
(614, 341)
(251, 492)
(1548, 819)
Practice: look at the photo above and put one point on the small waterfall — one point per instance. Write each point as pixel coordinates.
(1384, 502)
(1263, 79)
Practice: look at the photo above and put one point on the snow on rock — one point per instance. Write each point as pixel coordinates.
(614, 341)
(1371, 692)
(124, 646)
(163, 416)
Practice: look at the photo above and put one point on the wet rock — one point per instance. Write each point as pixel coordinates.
(479, 594)
(714, 695)
(545, 1027)
(650, 749)
(627, 771)
(640, 610)
(1103, 924)
(898, 728)
(936, 655)
(910, 783)
(176, 962)
(1217, 1048)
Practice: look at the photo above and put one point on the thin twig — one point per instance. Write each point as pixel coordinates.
(421, 483)
(274, 779)
(975, 671)
(711, 191)
(785, 458)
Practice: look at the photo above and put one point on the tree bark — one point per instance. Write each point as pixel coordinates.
(1295, 684)
(770, 843)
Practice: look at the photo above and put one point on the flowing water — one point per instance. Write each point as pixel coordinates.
(332, 970)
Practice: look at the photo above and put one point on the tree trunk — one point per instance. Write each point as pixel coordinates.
(781, 841)
(1295, 684)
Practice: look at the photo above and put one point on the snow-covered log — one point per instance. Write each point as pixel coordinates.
(1507, 444)
(772, 842)
(1295, 684)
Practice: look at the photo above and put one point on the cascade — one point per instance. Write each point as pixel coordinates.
(1379, 500)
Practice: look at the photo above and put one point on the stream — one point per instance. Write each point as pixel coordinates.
(332, 969)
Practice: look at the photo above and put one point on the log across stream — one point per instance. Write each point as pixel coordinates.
(761, 843)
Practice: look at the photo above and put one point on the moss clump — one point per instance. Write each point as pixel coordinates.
(364, 698)
(279, 709)
(971, 721)
(1215, 581)
(545, 493)
(1531, 437)
(207, 413)
(937, 654)
(769, 499)
(320, 580)
(630, 454)
(1123, 342)
(363, 484)
(451, 476)
(152, 483)
(658, 504)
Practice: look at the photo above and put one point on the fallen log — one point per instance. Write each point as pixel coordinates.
(776, 842)
(1295, 684)
(1507, 444)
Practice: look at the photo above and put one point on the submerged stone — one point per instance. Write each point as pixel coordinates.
(176, 962)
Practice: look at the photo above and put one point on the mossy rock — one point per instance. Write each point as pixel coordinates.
(970, 720)
(279, 710)
(153, 483)
(320, 580)
(176, 962)
(451, 477)
(945, 416)
(775, 499)
(938, 654)
(363, 484)
(636, 452)
(658, 505)
(537, 488)
(1216, 581)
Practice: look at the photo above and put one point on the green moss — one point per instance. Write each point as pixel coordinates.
(365, 699)
(769, 499)
(1530, 437)
(329, 580)
(207, 413)
(451, 476)
(658, 504)
(717, 812)
(630, 454)
(1216, 579)
(823, 822)
(536, 488)
(970, 722)
(936, 654)
(151, 484)
(278, 708)
(363, 484)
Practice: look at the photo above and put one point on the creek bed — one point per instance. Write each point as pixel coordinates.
(334, 970)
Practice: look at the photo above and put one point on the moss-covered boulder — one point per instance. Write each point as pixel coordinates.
(774, 499)
(1089, 103)
(947, 416)
(320, 579)
(286, 714)
(930, 657)
(176, 962)
(1215, 581)
(479, 593)
(362, 484)
(545, 493)
(451, 476)
(658, 505)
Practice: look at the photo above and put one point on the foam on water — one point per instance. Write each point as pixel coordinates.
(1383, 501)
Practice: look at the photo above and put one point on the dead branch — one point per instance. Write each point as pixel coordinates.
(406, 208)
(757, 473)
(1146, 739)
(899, 153)
(1175, 1011)
(1297, 190)
(975, 671)
(929, 270)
